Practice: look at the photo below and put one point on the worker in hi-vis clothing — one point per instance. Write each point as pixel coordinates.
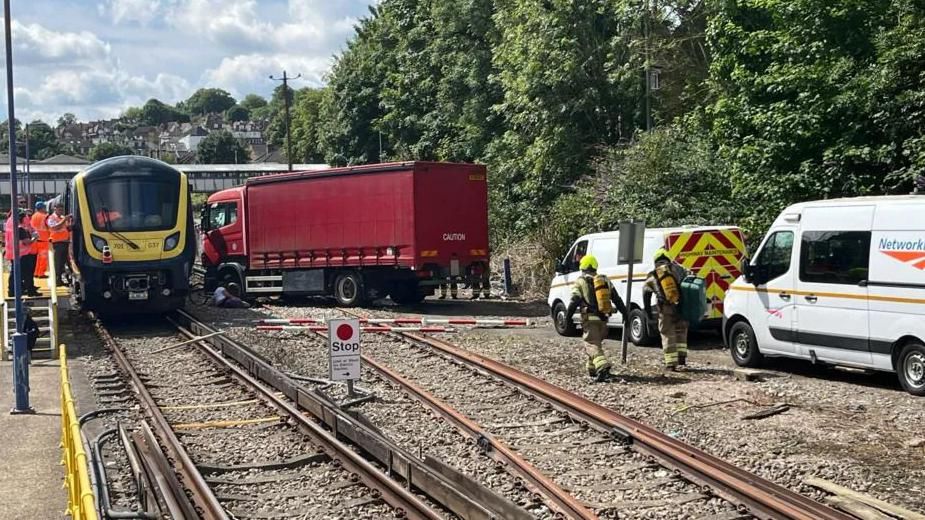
(665, 283)
(597, 298)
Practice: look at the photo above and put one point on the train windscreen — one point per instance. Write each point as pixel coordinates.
(133, 203)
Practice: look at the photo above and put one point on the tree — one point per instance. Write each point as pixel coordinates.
(155, 113)
(43, 143)
(237, 113)
(221, 148)
(5, 133)
(817, 99)
(67, 119)
(208, 101)
(306, 122)
(107, 150)
(131, 114)
(253, 102)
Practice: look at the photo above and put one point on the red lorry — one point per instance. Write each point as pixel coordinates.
(357, 233)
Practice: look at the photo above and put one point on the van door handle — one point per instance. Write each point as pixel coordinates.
(812, 298)
(784, 296)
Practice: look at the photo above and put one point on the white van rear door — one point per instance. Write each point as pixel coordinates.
(831, 297)
(897, 278)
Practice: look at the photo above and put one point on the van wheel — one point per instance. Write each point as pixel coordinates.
(911, 368)
(639, 329)
(348, 289)
(563, 327)
(743, 345)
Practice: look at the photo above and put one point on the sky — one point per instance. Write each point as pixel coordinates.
(94, 58)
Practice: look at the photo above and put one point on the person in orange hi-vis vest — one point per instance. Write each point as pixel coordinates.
(41, 244)
(58, 224)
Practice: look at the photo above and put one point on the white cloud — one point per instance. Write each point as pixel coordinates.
(247, 73)
(138, 11)
(35, 44)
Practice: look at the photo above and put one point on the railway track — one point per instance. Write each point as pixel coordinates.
(607, 464)
(240, 449)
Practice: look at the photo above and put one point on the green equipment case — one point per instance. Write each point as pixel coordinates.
(693, 300)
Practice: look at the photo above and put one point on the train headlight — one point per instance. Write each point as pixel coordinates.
(99, 243)
(171, 242)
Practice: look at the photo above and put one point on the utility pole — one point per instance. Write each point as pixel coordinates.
(20, 354)
(26, 180)
(645, 35)
(285, 79)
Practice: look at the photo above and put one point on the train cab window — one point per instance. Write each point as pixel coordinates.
(222, 214)
(133, 203)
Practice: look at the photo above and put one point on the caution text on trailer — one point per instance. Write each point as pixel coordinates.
(344, 349)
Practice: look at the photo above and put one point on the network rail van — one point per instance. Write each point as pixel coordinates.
(712, 253)
(838, 282)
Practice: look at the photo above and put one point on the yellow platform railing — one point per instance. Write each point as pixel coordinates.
(81, 503)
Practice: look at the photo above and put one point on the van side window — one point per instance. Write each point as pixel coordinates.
(776, 253)
(838, 257)
(580, 250)
(605, 250)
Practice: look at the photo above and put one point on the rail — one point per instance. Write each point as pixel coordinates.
(762, 497)
(81, 501)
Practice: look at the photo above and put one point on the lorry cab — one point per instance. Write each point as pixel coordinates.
(839, 282)
(222, 226)
(712, 253)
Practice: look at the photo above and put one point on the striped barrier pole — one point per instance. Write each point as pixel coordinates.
(407, 321)
(323, 328)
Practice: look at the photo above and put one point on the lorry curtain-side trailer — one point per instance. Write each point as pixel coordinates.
(356, 233)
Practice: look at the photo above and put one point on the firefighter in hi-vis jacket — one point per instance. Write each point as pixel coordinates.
(665, 283)
(597, 298)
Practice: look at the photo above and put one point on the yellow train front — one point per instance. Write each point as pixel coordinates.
(132, 238)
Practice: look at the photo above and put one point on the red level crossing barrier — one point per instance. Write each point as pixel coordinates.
(324, 328)
(406, 321)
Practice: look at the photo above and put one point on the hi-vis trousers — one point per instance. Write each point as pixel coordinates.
(593, 332)
(673, 330)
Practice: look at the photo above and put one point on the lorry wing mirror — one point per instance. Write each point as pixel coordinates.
(203, 218)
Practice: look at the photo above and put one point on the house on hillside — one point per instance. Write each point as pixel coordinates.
(191, 139)
(64, 159)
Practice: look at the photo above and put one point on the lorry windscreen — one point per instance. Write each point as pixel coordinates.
(133, 203)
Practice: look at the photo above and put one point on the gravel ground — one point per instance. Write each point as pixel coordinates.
(857, 430)
(183, 378)
(399, 417)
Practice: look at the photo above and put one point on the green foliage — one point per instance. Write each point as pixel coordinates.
(107, 150)
(817, 99)
(209, 101)
(221, 148)
(237, 113)
(67, 119)
(253, 102)
(155, 113)
(306, 121)
(43, 143)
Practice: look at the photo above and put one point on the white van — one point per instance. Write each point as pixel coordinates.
(840, 282)
(712, 253)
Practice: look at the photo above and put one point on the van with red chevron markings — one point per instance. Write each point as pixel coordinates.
(837, 282)
(713, 253)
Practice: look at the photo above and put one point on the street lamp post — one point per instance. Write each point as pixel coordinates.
(20, 354)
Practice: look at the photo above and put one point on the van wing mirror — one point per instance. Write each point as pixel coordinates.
(748, 272)
(560, 268)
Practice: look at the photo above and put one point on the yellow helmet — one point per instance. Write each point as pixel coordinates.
(588, 262)
(660, 253)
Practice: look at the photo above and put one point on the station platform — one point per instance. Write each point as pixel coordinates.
(32, 476)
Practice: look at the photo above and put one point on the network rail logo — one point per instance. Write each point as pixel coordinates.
(909, 252)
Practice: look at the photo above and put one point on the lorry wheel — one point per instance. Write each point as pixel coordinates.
(563, 327)
(911, 369)
(744, 346)
(639, 329)
(228, 276)
(348, 289)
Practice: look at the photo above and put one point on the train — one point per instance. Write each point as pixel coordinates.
(133, 244)
(357, 234)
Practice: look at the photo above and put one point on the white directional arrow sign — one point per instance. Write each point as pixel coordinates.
(344, 350)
